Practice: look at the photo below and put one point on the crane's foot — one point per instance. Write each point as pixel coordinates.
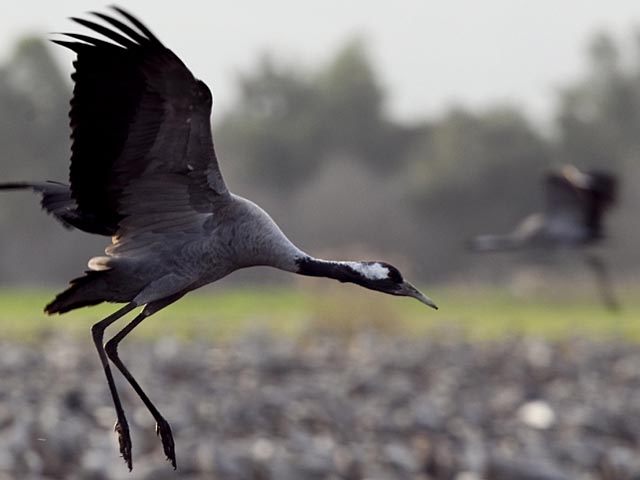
(124, 439)
(164, 432)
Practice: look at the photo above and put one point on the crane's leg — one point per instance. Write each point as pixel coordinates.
(603, 281)
(122, 428)
(163, 428)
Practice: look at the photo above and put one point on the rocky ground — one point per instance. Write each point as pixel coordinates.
(326, 407)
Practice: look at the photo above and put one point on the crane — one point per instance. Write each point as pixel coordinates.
(576, 203)
(145, 173)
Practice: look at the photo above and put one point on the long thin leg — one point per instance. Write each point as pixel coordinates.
(162, 426)
(121, 427)
(604, 282)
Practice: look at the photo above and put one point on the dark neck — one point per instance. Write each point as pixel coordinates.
(315, 267)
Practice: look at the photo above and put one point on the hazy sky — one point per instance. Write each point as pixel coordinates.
(429, 53)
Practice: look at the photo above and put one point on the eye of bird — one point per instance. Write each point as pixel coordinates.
(394, 274)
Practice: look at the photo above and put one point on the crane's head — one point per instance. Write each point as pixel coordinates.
(378, 276)
(385, 278)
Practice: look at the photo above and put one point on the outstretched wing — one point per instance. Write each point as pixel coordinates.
(566, 195)
(57, 200)
(580, 199)
(603, 192)
(142, 152)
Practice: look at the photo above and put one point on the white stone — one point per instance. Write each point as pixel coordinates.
(537, 414)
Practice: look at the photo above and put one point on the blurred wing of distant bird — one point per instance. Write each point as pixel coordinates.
(527, 232)
(602, 193)
(563, 194)
(142, 154)
(566, 202)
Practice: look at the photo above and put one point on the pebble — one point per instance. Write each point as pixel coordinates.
(537, 414)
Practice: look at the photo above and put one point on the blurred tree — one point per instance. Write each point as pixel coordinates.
(599, 116)
(34, 97)
(352, 104)
(490, 155)
(473, 172)
(287, 122)
(271, 133)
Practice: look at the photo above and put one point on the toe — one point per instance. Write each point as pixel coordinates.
(163, 429)
(124, 441)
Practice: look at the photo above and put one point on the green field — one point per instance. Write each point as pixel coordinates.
(218, 314)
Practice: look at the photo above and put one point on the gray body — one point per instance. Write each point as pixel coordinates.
(152, 266)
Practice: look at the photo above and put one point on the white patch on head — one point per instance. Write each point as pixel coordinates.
(372, 271)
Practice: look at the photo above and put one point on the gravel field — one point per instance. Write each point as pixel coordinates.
(327, 407)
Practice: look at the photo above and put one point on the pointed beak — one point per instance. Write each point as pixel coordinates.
(409, 290)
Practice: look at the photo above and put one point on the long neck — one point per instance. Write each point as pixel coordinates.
(316, 267)
(266, 244)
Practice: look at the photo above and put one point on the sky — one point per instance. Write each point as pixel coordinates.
(428, 54)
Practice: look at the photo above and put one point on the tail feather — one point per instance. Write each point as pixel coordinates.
(83, 292)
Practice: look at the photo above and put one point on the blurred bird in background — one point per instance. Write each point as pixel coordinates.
(573, 218)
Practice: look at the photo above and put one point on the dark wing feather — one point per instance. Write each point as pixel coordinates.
(57, 200)
(123, 27)
(115, 36)
(137, 112)
(137, 23)
(564, 197)
(602, 194)
(581, 198)
(85, 38)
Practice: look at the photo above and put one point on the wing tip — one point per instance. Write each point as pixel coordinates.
(73, 46)
(136, 23)
(136, 34)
